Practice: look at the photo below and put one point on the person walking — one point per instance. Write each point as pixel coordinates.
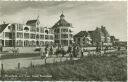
(51, 51)
(74, 51)
(63, 51)
(42, 53)
(46, 51)
(82, 51)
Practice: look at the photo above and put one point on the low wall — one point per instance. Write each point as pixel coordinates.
(90, 48)
(21, 49)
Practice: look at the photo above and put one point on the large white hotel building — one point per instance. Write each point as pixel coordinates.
(29, 35)
(32, 34)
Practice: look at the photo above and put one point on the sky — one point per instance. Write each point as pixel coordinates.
(84, 15)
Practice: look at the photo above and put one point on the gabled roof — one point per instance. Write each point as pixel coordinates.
(81, 34)
(2, 27)
(62, 22)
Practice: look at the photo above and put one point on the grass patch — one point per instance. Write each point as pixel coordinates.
(90, 68)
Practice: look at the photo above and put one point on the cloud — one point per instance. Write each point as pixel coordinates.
(83, 15)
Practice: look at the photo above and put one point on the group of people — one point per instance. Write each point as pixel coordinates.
(72, 51)
(75, 51)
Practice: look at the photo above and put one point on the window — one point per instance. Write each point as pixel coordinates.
(46, 37)
(19, 43)
(42, 30)
(19, 27)
(13, 27)
(51, 31)
(26, 43)
(57, 30)
(51, 37)
(37, 29)
(41, 43)
(71, 35)
(32, 36)
(41, 36)
(57, 41)
(26, 28)
(46, 43)
(7, 43)
(64, 35)
(37, 36)
(64, 30)
(10, 43)
(19, 35)
(46, 31)
(51, 43)
(64, 42)
(33, 29)
(56, 36)
(9, 27)
(32, 43)
(6, 34)
(26, 35)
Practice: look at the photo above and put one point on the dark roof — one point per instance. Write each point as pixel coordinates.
(2, 27)
(99, 31)
(62, 15)
(81, 34)
(90, 32)
(103, 29)
(62, 22)
(29, 22)
(112, 37)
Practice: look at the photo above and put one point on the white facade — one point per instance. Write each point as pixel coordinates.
(19, 35)
(63, 32)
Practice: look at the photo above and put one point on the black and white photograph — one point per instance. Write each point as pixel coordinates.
(63, 40)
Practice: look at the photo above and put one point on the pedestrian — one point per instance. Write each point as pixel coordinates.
(42, 53)
(63, 51)
(69, 49)
(82, 51)
(46, 51)
(77, 51)
(118, 48)
(74, 51)
(51, 51)
(57, 51)
(71, 53)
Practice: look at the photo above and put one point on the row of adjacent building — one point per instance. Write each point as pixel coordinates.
(96, 37)
(32, 34)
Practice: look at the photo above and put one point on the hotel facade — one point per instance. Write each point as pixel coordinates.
(30, 34)
(63, 32)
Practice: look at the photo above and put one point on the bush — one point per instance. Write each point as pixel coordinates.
(90, 68)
